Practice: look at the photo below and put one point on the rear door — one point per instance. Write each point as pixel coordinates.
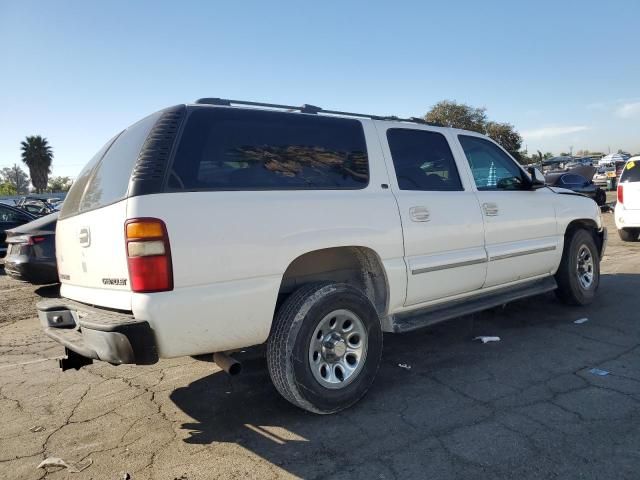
(441, 219)
(90, 246)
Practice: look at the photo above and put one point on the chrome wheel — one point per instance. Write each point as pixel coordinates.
(338, 349)
(584, 267)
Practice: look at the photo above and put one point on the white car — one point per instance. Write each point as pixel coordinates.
(627, 211)
(211, 227)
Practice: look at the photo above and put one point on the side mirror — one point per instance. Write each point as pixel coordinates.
(537, 178)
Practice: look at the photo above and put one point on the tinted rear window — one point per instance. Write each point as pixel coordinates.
(631, 172)
(240, 149)
(105, 179)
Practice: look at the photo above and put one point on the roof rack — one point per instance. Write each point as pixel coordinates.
(312, 109)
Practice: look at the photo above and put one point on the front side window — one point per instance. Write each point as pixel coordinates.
(492, 168)
(242, 149)
(422, 160)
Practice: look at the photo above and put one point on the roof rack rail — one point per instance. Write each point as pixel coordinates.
(312, 109)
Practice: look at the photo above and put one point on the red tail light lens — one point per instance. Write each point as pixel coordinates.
(620, 194)
(148, 255)
(34, 240)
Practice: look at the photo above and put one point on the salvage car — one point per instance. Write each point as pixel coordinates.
(31, 254)
(627, 211)
(577, 180)
(11, 217)
(317, 231)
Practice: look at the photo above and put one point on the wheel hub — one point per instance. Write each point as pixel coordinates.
(585, 267)
(333, 347)
(337, 349)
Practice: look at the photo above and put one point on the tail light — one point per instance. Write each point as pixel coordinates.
(620, 194)
(34, 240)
(148, 255)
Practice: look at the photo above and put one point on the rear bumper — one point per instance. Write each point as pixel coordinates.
(626, 218)
(98, 334)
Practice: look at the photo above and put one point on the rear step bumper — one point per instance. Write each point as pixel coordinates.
(98, 334)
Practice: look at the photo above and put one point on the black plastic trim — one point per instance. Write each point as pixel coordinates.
(150, 170)
(438, 313)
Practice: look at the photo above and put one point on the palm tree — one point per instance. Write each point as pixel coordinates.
(37, 155)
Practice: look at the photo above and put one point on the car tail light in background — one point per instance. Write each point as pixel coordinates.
(34, 240)
(620, 194)
(148, 255)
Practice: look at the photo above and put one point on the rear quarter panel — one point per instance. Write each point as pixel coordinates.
(230, 250)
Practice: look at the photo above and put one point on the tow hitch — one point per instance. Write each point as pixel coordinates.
(73, 360)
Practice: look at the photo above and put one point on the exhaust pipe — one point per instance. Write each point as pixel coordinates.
(228, 364)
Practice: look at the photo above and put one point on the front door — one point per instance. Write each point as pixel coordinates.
(520, 224)
(441, 219)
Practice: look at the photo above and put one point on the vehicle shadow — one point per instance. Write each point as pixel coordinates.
(430, 383)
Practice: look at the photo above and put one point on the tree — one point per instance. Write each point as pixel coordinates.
(16, 179)
(505, 135)
(37, 155)
(449, 113)
(59, 184)
(7, 189)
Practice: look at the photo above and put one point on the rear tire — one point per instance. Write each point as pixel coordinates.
(325, 347)
(627, 235)
(578, 276)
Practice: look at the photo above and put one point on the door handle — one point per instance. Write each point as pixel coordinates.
(419, 214)
(490, 209)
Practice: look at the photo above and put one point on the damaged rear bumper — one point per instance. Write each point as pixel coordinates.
(97, 334)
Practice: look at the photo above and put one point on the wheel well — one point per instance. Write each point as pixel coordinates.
(357, 266)
(585, 224)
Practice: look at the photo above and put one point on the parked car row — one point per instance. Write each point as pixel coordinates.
(578, 179)
(11, 217)
(31, 251)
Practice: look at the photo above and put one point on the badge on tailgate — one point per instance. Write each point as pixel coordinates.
(84, 237)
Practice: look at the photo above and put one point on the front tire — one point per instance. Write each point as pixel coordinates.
(325, 347)
(578, 276)
(628, 235)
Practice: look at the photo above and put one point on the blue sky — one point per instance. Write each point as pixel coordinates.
(565, 73)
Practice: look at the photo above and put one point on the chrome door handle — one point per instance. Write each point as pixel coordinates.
(419, 214)
(490, 209)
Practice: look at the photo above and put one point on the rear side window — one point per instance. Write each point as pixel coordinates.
(240, 149)
(631, 172)
(422, 160)
(105, 179)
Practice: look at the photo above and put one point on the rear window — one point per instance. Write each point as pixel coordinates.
(105, 179)
(631, 172)
(234, 149)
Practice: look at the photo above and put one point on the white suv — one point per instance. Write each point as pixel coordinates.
(627, 211)
(210, 227)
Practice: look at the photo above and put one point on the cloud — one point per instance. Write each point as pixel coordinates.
(628, 110)
(555, 131)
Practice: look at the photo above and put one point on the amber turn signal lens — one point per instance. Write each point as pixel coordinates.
(144, 230)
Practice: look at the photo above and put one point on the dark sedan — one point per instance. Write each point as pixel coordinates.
(11, 217)
(32, 251)
(572, 180)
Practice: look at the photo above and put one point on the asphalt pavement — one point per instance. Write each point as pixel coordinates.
(552, 399)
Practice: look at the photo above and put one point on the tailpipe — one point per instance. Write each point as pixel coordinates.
(228, 364)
